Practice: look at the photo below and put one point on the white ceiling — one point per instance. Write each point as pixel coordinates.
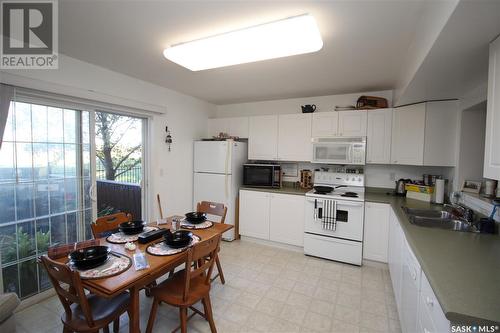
(457, 63)
(364, 44)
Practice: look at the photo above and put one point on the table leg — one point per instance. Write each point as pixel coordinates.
(134, 326)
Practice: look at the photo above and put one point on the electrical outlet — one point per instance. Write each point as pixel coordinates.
(392, 176)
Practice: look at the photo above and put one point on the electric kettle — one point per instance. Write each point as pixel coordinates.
(400, 186)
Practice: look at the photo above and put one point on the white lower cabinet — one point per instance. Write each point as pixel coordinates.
(272, 216)
(376, 231)
(431, 316)
(286, 219)
(410, 290)
(418, 307)
(394, 256)
(254, 214)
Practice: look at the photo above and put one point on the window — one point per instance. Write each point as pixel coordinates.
(44, 181)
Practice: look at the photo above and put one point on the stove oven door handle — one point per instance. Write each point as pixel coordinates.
(351, 204)
(315, 214)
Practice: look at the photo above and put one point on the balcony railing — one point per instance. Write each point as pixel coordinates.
(133, 175)
(113, 197)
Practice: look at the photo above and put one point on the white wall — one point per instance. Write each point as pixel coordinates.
(171, 172)
(292, 105)
(386, 175)
(471, 150)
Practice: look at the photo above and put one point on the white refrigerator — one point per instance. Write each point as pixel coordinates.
(218, 175)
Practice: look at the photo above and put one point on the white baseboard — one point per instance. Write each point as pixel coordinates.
(273, 244)
(25, 303)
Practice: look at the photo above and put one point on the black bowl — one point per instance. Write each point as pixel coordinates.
(196, 217)
(89, 257)
(178, 239)
(132, 227)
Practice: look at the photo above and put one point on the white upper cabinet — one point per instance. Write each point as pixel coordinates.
(325, 124)
(234, 126)
(294, 137)
(408, 132)
(425, 134)
(378, 136)
(441, 133)
(263, 138)
(352, 123)
(492, 146)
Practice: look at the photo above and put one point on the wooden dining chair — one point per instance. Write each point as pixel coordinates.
(189, 286)
(105, 224)
(103, 227)
(159, 206)
(83, 313)
(62, 250)
(217, 209)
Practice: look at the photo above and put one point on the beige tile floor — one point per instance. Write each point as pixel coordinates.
(270, 290)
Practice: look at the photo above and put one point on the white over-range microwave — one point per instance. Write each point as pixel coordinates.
(339, 150)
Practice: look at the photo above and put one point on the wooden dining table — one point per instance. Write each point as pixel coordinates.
(133, 280)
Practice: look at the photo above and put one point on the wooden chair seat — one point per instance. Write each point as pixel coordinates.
(171, 291)
(82, 312)
(104, 310)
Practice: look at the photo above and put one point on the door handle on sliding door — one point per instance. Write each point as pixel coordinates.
(92, 192)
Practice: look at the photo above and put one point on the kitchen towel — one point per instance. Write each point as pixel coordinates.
(328, 219)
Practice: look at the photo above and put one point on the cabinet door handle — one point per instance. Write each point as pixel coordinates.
(429, 301)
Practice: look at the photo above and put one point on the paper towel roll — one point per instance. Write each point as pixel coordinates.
(439, 191)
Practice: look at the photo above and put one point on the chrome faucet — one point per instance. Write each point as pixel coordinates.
(465, 213)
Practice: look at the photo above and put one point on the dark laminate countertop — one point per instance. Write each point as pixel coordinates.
(463, 268)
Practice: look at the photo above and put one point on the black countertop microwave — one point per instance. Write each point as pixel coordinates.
(262, 175)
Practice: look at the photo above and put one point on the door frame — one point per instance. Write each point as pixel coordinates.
(146, 124)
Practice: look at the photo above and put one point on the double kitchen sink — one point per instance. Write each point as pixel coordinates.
(450, 217)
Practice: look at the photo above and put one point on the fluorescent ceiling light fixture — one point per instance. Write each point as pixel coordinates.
(283, 38)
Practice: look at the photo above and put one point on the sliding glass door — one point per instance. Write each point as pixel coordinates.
(61, 168)
(45, 178)
(119, 160)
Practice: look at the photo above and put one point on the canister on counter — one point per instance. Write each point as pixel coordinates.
(489, 188)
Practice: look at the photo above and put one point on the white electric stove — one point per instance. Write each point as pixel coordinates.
(333, 226)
